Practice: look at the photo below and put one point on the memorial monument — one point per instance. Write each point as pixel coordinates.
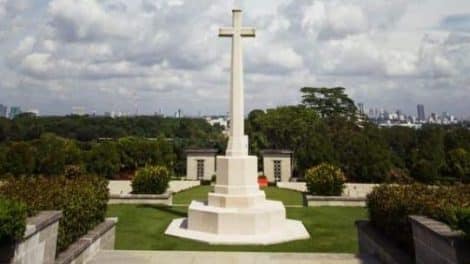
(237, 212)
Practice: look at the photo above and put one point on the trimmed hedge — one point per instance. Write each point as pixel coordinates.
(12, 221)
(390, 205)
(325, 179)
(83, 201)
(151, 180)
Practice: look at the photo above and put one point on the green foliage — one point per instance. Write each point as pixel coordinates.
(51, 155)
(424, 171)
(325, 179)
(463, 220)
(12, 221)
(329, 102)
(458, 164)
(103, 159)
(151, 180)
(83, 201)
(20, 159)
(390, 205)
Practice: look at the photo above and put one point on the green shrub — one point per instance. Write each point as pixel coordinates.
(83, 201)
(390, 205)
(12, 221)
(463, 221)
(325, 179)
(151, 180)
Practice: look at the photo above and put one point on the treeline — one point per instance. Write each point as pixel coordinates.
(327, 128)
(100, 145)
(87, 128)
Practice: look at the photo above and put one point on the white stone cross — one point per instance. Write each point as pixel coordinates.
(238, 141)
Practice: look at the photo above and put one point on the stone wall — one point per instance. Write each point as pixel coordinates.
(124, 187)
(350, 190)
(435, 242)
(373, 243)
(40, 239)
(313, 201)
(102, 237)
(156, 199)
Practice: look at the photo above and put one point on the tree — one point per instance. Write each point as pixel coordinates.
(103, 159)
(51, 160)
(20, 159)
(458, 164)
(329, 102)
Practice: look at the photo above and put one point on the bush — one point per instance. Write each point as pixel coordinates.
(83, 201)
(463, 221)
(151, 180)
(325, 179)
(389, 207)
(12, 221)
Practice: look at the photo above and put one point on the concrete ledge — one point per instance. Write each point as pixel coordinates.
(84, 249)
(39, 242)
(164, 199)
(313, 201)
(436, 242)
(373, 243)
(40, 221)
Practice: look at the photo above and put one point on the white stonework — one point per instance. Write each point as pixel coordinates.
(237, 211)
(284, 158)
(204, 156)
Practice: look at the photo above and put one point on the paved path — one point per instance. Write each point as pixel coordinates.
(186, 257)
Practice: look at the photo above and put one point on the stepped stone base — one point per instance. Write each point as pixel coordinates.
(237, 212)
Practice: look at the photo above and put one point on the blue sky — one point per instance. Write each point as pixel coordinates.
(117, 55)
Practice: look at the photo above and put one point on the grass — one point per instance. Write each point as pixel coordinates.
(288, 197)
(141, 227)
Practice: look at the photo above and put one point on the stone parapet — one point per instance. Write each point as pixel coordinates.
(162, 199)
(436, 242)
(314, 201)
(39, 241)
(102, 237)
(374, 243)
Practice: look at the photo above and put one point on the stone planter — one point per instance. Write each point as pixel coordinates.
(435, 242)
(313, 201)
(39, 241)
(156, 199)
(373, 243)
(101, 237)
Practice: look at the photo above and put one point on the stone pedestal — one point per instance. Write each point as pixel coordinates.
(237, 212)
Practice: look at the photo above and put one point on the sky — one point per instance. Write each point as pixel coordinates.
(148, 56)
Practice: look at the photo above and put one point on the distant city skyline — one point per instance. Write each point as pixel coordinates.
(142, 56)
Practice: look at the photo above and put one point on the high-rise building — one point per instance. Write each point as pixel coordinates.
(361, 107)
(14, 111)
(3, 110)
(421, 115)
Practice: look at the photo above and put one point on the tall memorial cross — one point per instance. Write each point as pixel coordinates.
(237, 211)
(238, 142)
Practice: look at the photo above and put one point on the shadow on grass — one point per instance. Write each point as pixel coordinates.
(164, 208)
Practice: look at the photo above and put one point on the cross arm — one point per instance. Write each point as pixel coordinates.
(248, 32)
(244, 32)
(226, 32)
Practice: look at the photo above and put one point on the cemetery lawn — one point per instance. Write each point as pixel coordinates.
(142, 227)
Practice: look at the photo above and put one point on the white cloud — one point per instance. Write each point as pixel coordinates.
(167, 53)
(331, 20)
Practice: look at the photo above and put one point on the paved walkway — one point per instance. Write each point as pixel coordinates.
(186, 257)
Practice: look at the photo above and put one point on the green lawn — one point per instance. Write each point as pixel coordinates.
(141, 227)
(288, 197)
